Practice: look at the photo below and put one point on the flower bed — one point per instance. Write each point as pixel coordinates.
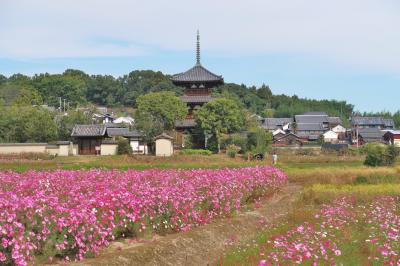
(70, 214)
(341, 227)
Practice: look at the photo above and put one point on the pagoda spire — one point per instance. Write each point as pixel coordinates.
(198, 48)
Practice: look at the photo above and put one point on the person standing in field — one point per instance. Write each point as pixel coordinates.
(274, 158)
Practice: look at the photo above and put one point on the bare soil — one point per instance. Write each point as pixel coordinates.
(204, 245)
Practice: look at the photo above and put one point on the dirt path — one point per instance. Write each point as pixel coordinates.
(202, 245)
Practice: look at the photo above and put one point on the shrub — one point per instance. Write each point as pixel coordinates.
(259, 141)
(379, 155)
(232, 150)
(212, 144)
(196, 152)
(188, 141)
(124, 147)
(235, 139)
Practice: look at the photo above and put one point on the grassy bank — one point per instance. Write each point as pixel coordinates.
(290, 163)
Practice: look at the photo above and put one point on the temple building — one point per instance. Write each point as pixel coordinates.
(198, 83)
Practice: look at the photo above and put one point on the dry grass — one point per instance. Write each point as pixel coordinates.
(318, 193)
(344, 175)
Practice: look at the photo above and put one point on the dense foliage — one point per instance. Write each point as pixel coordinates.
(157, 112)
(80, 88)
(380, 155)
(26, 123)
(220, 116)
(70, 214)
(124, 147)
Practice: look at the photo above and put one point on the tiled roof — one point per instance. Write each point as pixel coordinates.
(335, 120)
(122, 132)
(197, 74)
(370, 133)
(89, 130)
(274, 123)
(164, 136)
(287, 136)
(394, 132)
(310, 127)
(186, 123)
(100, 130)
(311, 119)
(388, 122)
(364, 120)
(196, 98)
(316, 113)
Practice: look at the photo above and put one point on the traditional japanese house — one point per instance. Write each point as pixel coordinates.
(367, 135)
(392, 137)
(100, 139)
(287, 140)
(198, 83)
(371, 122)
(272, 124)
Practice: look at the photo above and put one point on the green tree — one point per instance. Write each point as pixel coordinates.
(28, 96)
(158, 111)
(69, 87)
(66, 123)
(268, 113)
(26, 124)
(3, 79)
(396, 119)
(124, 147)
(141, 82)
(105, 90)
(264, 92)
(220, 116)
(258, 140)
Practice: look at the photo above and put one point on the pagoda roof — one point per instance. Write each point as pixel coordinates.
(198, 73)
(196, 98)
(185, 123)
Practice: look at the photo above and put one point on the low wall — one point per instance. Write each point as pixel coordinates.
(16, 148)
(58, 149)
(108, 149)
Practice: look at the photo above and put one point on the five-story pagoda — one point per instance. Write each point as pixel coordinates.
(198, 83)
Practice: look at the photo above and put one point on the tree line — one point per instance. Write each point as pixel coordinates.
(22, 119)
(79, 88)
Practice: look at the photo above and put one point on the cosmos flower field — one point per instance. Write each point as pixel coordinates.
(337, 230)
(71, 214)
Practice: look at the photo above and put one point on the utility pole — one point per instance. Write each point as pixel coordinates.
(64, 105)
(60, 104)
(357, 134)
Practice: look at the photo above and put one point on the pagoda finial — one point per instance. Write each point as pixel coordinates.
(198, 48)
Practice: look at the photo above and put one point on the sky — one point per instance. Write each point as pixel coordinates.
(343, 49)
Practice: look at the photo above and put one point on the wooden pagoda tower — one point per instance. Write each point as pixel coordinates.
(198, 83)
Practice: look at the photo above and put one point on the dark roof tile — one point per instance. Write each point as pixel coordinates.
(274, 123)
(196, 98)
(186, 123)
(198, 73)
(89, 130)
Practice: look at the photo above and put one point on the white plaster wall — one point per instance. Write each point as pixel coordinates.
(108, 149)
(16, 148)
(164, 147)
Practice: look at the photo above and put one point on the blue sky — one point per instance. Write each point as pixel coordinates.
(345, 50)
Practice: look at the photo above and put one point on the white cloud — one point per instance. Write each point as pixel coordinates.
(359, 33)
